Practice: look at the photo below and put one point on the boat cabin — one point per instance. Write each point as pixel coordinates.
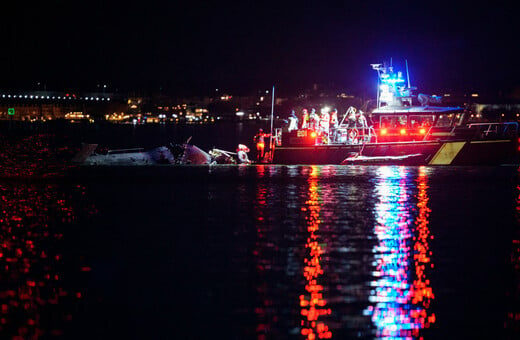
(416, 123)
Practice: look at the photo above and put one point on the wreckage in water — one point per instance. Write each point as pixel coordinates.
(174, 154)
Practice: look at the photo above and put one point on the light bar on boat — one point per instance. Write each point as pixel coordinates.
(402, 131)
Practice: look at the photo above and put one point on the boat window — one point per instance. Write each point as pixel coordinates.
(445, 120)
(421, 121)
(393, 121)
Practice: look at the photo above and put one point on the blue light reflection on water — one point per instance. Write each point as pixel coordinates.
(402, 293)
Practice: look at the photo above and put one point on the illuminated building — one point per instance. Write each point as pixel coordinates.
(49, 105)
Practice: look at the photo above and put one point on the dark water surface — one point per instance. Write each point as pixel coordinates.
(261, 252)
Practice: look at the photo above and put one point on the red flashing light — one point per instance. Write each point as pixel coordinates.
(384, 132)
(402, 131)
(422, 131)
(313, 134)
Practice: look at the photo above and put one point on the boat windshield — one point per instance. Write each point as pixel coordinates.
(447, 120)
(411, 121)
(423, 121)
(392, 121)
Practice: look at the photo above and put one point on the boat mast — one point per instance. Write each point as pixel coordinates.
(378, 87)
(272, 116)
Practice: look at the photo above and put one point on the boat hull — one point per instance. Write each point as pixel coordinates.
(492, 152)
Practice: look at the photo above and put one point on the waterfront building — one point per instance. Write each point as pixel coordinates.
(51, 105)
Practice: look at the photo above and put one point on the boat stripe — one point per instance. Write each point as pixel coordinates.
(447, 153)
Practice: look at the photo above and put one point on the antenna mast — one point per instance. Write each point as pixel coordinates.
(272, 116)
(407, 74)
(377, 68)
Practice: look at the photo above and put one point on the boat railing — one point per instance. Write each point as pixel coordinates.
(354, 135)
(372, 133)
(474, 131)
(449, 132)
(118, 151)
(366, 134)
(491, 130)
(277, 136)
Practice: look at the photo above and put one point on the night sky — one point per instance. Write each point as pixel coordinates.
(196, 46)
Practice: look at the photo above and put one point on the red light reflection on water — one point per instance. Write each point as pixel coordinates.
(36, 155)
(313, 305)
(30, 280)
(421, 289)
(265, 319)
(402, 292)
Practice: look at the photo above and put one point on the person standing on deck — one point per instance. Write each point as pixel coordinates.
(351, 119)
(362, 120)
(333, 124)
(293, 122)
(314, 120)
(325, 122)
(305, 119)
(260, 144)
(334, 119)
(362, 123)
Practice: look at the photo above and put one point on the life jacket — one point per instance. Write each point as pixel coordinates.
(305, 119)
(259, 138)
(325, 118)
(334, 118)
